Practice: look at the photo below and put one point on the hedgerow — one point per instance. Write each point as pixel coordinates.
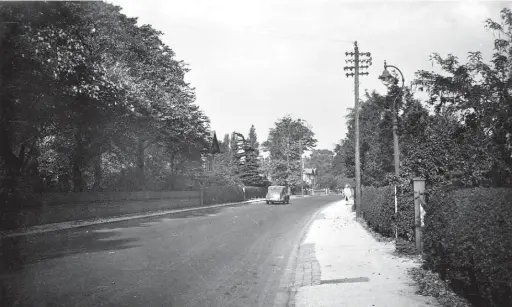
(222, 194)
(378, 209)
(255, 192)
(467, 240)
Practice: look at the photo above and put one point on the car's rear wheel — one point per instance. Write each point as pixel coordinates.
(268, 202)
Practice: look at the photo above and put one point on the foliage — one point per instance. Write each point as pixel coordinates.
(477, 94)
(376, 143)
(284, 148)
(378, 209)
(255, 192)
(88, 96)
(222, 194)
(253, 140)
(249, 166)
(466, 240)
(322, 160)
(338, 166)
(430, 284)
(223, 167)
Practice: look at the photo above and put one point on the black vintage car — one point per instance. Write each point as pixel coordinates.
(277, 194)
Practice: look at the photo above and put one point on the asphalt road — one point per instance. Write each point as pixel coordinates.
(231, 256)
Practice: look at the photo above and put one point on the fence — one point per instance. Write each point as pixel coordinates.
(86, 197)
(65, 207)
(255, 192)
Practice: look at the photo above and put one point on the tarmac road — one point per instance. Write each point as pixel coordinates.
(231, 256)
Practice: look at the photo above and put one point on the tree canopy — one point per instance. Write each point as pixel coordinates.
(464, 128)
(285, 151)
(90, 99)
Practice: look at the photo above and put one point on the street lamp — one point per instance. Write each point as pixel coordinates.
(388, 79)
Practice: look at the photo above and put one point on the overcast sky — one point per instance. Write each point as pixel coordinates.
(253, 62)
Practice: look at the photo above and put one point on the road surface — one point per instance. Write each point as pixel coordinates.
(231, 256)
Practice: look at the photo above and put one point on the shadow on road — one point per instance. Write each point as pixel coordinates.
(147, 221)
(17, 252)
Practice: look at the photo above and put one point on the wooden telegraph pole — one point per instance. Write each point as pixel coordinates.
(358, 58)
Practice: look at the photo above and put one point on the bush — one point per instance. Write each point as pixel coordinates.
(467, 240)
(405, 214)
(255, 192)
(222, 194)
(378, 209)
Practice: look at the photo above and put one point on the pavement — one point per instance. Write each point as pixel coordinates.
(232, 255)
(341, 264)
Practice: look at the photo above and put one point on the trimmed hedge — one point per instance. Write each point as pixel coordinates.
(378, 209)
(222, 194)
(378, 206)
(405, 214)
(467, 239)
(255, 192)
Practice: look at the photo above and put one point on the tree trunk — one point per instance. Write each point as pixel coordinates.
(140, 165)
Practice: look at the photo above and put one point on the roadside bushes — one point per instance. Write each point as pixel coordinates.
(222, 194)
(405, 214)
(378, 209)
(255, 192)
(467, 239)
(378, 206)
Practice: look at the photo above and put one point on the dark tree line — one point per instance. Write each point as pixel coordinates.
(89, 100)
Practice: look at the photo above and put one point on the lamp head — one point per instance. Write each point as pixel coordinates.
(387, 78)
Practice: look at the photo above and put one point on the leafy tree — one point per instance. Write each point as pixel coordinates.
(322, 160)
(477, 96)
(284, 149)
(107, 100)
(376, 143)
(253, 140)
(246, 162)
(224, 145)
(338, 161)
(233, 144)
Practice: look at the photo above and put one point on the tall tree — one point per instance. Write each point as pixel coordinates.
(376, 140)
(105, 97)
(248, 162)
(283, 145)
(225, 144)
(253, 140)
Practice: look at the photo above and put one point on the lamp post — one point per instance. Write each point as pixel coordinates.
(388, 81)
